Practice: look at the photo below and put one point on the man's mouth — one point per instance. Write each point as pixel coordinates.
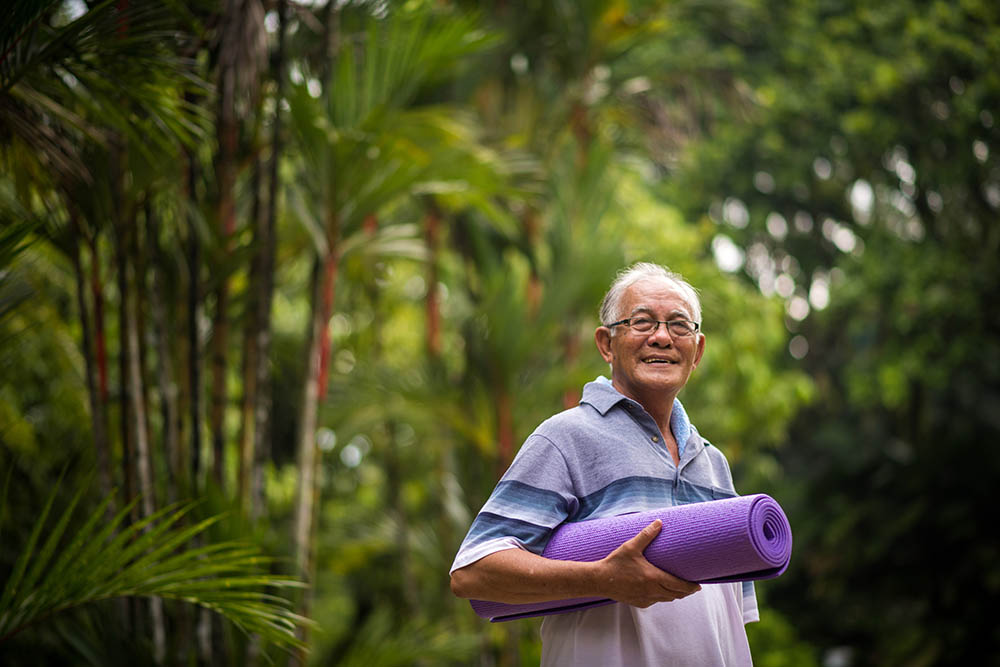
(657, 360)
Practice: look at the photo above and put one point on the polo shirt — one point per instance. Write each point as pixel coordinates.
(606, 457)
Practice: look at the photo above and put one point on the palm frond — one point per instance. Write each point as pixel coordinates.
(393, 57)
(16, 227)
(113, 67)
(60, 569)
(398, 240)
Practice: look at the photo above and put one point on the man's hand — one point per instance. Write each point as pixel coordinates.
(626, 575)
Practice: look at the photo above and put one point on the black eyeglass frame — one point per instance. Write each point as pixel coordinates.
(628, 322)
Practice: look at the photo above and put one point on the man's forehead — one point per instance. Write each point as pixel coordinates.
(655, 294)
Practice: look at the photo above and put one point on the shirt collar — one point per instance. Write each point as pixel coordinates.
(602, 396)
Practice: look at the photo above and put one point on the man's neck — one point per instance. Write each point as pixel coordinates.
(662, 419)
(660, 407)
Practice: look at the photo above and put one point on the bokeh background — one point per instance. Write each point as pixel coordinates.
(321, 266)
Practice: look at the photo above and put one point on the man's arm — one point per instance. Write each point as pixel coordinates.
(518, 576)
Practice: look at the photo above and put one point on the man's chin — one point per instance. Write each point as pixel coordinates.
(660, 380)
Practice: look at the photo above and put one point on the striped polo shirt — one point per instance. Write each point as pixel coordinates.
(602, 458)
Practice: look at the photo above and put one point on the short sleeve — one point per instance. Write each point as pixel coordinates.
(533, 497)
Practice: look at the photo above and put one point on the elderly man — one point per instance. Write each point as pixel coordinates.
(627, 447)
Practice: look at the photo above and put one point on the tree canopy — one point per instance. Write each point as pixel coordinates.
(312, 271)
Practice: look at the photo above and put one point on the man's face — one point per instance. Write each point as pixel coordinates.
(650, 366)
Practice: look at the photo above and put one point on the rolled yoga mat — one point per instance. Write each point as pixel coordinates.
(736, 539)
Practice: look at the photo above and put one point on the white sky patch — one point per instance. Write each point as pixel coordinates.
(940, 109)
(326, 439)
(803, 222)
(735, 213)
(519, 63)
(822, 168)
(351, 456)
(765, 283)
(344, 362)
(797, 308)
(844, 239)
(729, 257)
(902, 203)
(839, 235)
(992, 193)
(759, 260)
(906, 172)
(776, 225)
(75, 9)
(784, 285)
(636, 85)
(897, 161)
(862, 199)
(980, 150)
(354, 451)
(935, 201)
(819, 292)
(764, 182)
(798, 347)
(790, 265)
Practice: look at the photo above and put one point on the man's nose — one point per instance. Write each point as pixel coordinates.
(661, 335)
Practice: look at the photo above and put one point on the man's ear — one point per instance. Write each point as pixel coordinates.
(700, 351)
(602, 338)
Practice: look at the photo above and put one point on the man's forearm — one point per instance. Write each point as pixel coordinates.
(519, 576)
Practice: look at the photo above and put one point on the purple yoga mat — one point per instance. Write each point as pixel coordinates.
(736, 539)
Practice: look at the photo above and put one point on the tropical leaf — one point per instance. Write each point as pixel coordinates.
(379, 643)
(60, 569)
(16, 227)
(385, 67)
(67, 80)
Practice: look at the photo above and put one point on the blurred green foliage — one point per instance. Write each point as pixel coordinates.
(825, 173)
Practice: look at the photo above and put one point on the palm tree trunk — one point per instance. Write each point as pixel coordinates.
(324, 281)
(217, 401)
(124, 364)
(225, 173)
(143, 460)
(193, 341)
(203, 630)
(315, 388)
(100, 339)
(251, 343)
(165, 376)
(268, 244)
(97, 415)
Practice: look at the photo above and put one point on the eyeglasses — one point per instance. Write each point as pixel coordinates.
(646, 325)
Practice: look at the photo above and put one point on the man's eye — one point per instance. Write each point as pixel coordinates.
(641, 323)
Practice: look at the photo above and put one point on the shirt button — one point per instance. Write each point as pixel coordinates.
(656, 438)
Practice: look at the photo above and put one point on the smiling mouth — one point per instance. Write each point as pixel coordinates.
(658, 361)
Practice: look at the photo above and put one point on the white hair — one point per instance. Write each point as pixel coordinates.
(612, 303)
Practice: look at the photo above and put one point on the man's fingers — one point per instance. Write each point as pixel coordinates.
(646, 535)
(679, 587)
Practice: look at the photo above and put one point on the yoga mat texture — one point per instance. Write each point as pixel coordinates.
(736, 539)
